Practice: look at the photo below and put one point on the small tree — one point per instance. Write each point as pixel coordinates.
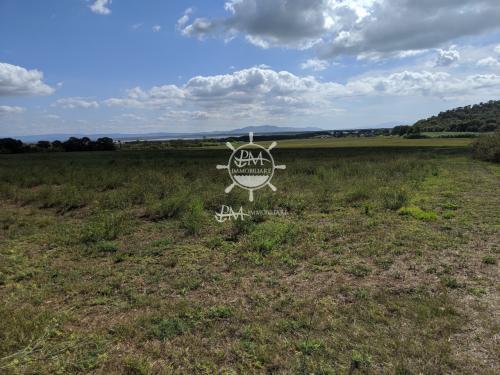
(105, 144)
(10, 146)
(43, 145)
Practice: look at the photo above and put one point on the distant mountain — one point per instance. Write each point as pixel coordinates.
(273, 129)
(164, 135)
(483, 117)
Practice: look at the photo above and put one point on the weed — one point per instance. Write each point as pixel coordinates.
(269, 235)
(167, 328)
(418, 213)
(489, 259)
(394, 199)
(450, 282)
(359, 270)
(104, 227)
(195, 218)
(309, 347)
(220, 312)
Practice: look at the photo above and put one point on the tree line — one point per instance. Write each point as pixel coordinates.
(482, 117)
(15, 146)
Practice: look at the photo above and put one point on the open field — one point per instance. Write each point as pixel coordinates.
(348, 142)
(387, 262)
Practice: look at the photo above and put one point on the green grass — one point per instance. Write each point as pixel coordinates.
(385, 262)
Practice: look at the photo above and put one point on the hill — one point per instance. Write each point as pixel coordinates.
(482, 117)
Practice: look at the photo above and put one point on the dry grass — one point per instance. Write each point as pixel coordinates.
(112, 263)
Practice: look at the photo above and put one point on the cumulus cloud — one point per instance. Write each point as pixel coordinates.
(76, 102)
(181, 22)
(447, 57)
(17, 81)
(8, 110)
(156, 28)
(489, 62)
(315, 64)
(101, 7)
(350, 27)
(263, 91)
(497, 49)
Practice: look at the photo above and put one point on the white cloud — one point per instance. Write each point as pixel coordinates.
(9, 110)
(447, 57)
(489, 62)
(76, 102)
(136, 26)
(182, 21)
(265, 93)
(156, 28)
(350, 27)
(101, 7)
(497, 49)
(17, 81)
(315, 64)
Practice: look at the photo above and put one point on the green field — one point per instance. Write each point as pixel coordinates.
(386, 262)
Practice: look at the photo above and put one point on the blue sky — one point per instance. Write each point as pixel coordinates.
(76, 66)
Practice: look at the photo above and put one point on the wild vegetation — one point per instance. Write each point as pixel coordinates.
(15, 146)
(386, 262)
(482, 117)
(487, 148)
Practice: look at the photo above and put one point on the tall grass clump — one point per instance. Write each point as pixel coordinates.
(269, 235)
(394, 198)
(194, 218)
(171, 206)
(487, 148)
(104, 227)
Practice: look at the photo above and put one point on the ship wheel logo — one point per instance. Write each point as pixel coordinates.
(251, 167)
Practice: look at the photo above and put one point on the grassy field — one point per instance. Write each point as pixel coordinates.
(386, 262)
(347, 142)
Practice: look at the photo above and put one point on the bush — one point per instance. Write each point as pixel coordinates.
(487, 148)
(194, 218)
(416, 136)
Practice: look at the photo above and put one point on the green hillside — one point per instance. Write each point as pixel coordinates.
(482, 117)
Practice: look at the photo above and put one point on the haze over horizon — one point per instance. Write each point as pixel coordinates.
(95, 67)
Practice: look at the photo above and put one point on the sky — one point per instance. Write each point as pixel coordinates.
(142, 66)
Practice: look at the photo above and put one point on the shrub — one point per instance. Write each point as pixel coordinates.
(194, 218)
(487, 148)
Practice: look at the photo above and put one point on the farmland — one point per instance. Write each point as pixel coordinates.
(386, 261)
